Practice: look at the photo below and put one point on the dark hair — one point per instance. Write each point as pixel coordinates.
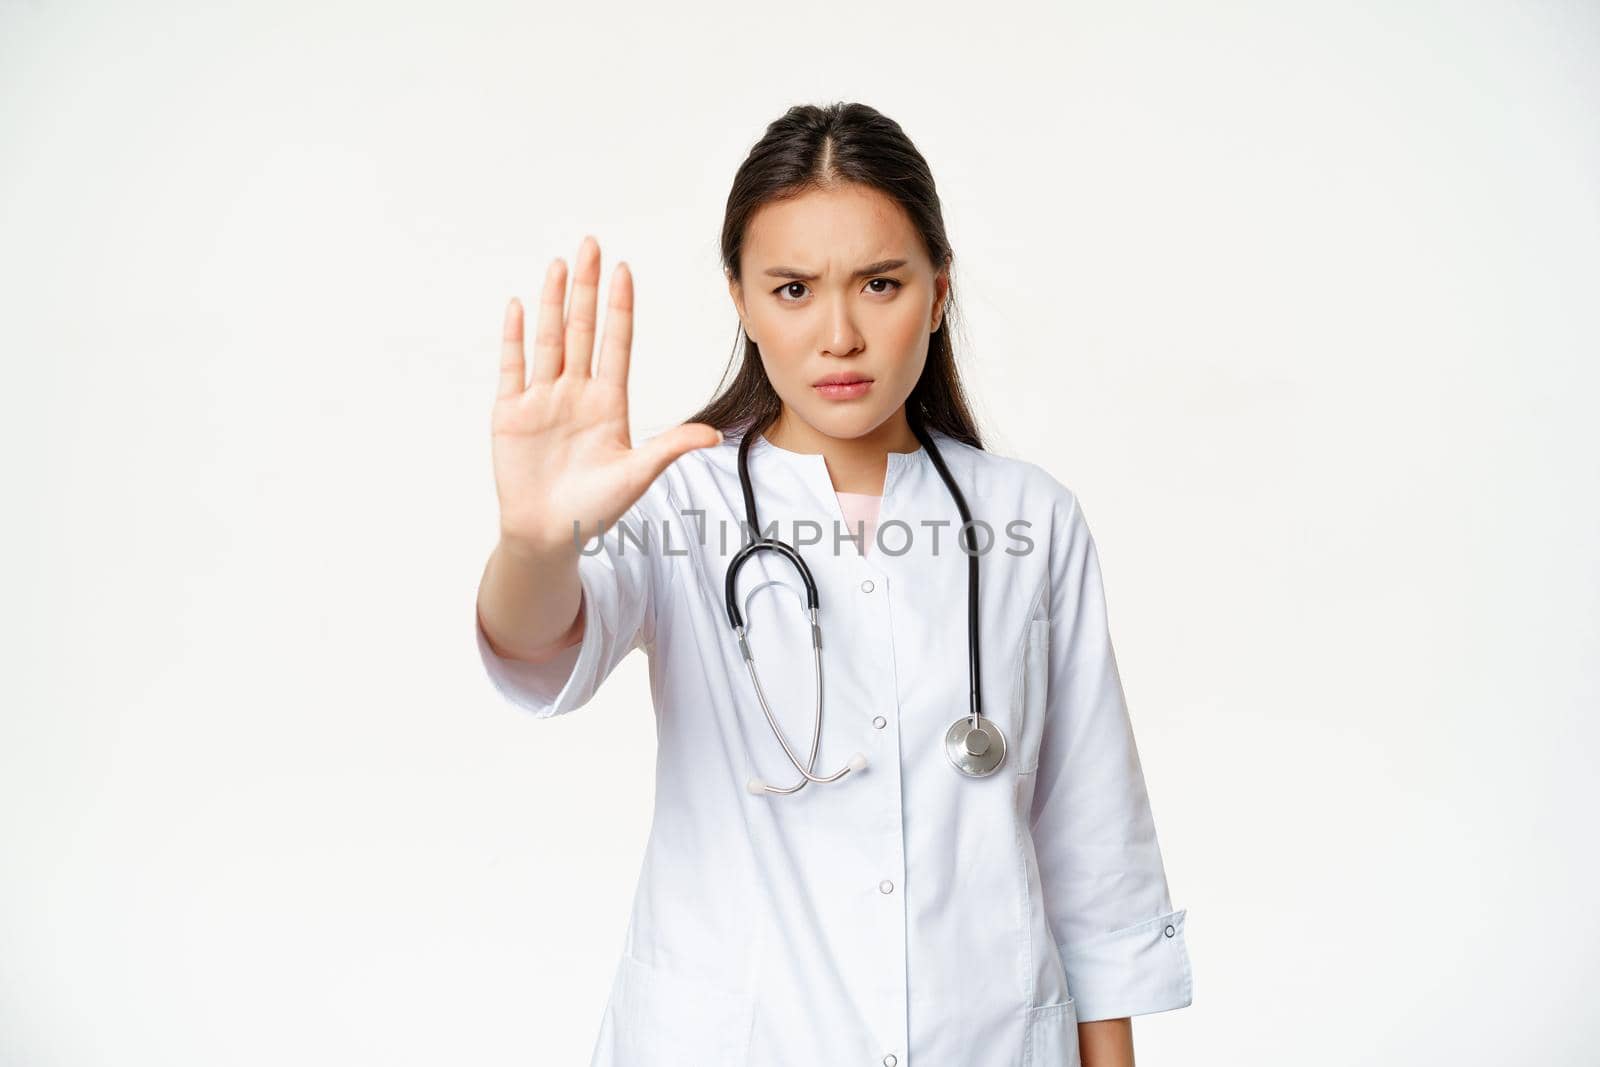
(814, 147)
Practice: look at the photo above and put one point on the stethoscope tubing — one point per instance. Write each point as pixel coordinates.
(789, 552)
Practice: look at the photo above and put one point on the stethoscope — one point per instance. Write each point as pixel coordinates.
(973, 744)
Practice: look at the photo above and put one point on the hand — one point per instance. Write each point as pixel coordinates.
(562, 450)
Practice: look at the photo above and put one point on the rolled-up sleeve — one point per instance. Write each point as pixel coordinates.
(1105, 887)
(620, 575)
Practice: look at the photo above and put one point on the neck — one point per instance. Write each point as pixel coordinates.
(855, 464)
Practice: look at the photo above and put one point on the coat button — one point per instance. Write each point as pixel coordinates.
(866, 586)
(889, 1060)
(886, 886)
(1169, 931)
(880, 722)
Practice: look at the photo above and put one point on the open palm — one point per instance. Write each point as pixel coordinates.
(562, 449)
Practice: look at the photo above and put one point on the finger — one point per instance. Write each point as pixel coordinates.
(618, 339)
(657, 454)
(511, 362)
(547, 342)
(580, 318)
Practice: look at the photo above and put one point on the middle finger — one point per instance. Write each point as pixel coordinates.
(580, 319)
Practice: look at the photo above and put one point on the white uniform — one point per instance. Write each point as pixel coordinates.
(905, 915)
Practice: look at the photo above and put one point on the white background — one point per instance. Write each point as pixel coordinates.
(1299, 298)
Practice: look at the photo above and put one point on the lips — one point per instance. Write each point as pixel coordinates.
(843, 386)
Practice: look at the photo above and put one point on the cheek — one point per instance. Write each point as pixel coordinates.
(907, 337)
(773, 339)
(784, 371)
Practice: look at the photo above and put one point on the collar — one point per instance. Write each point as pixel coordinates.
(813, 466)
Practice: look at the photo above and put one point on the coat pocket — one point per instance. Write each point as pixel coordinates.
(1050, 1037)
(1035, 679)
(663, 1018)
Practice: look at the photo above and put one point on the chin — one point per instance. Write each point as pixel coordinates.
(843, 421)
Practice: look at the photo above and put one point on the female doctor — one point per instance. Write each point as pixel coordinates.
(909, 827)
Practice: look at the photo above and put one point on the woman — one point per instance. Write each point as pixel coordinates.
(875, 902)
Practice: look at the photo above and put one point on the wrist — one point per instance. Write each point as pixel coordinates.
(539, 548)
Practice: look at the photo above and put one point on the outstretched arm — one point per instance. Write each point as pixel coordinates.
(563, 455)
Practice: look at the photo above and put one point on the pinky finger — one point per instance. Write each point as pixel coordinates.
(512, 368)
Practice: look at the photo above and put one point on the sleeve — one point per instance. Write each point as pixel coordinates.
(619, 574)
(1100, 868)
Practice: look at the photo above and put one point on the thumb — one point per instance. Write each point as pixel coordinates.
(657, 454)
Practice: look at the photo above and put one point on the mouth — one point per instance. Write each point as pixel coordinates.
(843, 386)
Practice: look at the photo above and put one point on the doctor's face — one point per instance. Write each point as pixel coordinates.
(837, 282)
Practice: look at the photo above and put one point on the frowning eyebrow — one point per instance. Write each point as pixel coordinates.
(883, 266)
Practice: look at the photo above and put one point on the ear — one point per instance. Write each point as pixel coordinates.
(941, 290)
(737, 294)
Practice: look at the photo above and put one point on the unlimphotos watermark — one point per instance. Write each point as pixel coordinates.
(892, 538)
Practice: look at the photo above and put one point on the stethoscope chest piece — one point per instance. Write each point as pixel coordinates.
(974, 744)
(975, 751)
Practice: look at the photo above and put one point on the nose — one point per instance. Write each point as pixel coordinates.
(841, 337)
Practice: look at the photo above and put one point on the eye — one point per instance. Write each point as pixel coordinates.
(784, 294)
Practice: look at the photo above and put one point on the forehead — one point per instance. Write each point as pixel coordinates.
(830, 231)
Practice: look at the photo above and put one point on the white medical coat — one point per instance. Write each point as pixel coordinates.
(905, 915)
